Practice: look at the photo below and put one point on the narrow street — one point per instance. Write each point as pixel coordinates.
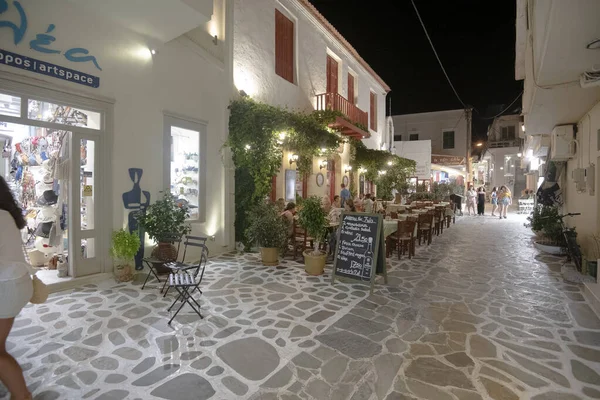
(479, 314)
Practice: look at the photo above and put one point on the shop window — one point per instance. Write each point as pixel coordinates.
(448, 139)
(284, 47)
(64, 115)
(10, 105)
(413, 137)
(290, 185)
(185, 164)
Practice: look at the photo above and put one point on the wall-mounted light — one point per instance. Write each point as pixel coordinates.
(247, 147)
(293, 159)
(523, 127)
(153, 52)
(215, 40)
(501, 168)
(479, 144)
(390, 163)
(382, 172)
(322, 164)
(348, 169)
(323, 150)
(519, 155)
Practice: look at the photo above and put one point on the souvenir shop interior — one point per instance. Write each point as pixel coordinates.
(37, 165)
(185, 166)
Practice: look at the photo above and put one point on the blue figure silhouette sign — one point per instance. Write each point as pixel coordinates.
(43, 41)
(136, 200)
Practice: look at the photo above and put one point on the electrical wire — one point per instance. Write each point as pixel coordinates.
(506, 109)
(436, 55)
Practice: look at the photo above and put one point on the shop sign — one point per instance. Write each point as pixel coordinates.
(43, 43)
(87, 190)
(44, 68)
(447, 160)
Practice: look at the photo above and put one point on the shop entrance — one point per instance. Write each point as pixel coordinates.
(51, 160)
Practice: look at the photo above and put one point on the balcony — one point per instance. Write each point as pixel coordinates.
(355, 119)
(495, 144)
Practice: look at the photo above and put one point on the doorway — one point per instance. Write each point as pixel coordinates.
(53, 155)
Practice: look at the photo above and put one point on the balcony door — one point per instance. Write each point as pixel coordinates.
(351, 97)
(332, 75)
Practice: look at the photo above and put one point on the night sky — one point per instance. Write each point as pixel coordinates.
(474, 39)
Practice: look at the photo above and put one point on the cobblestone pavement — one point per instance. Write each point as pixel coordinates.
(479, 314)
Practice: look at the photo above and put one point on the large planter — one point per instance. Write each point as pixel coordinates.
(314, 265)
(593, 269)
(270, 256)
(123, 273)
(549, 249)
(165, 252)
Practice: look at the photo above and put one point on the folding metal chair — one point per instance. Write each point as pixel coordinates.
(176, 266)
(183, 281)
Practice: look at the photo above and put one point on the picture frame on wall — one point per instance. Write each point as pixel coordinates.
(320, 179)
(345, 180)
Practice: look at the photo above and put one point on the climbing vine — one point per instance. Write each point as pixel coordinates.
(258, 135)
(388, 171)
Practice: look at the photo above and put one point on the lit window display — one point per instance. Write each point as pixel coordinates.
(185, 168)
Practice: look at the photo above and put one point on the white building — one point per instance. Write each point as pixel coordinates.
(449, 133)
(287, 54)
(128, 85)
(501, 164)
(561, 99)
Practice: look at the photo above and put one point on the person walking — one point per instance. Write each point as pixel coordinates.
(344, 195)
(471, 200)
(481, 201)
(494, 199)
(16, 288)
(505, 201)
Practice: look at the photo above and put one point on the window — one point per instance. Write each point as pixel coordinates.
(508, 132)
(448, 139)
(414, 136)
(351, 88)
(332, 75)
(373, 113)
(397, 138)
(284, 47)
(185, 164)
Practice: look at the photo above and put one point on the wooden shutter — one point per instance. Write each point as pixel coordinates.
(284, 47)
(373, 112)
(351, 98)
(332, 75)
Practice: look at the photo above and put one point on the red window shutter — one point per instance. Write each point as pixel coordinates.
(351, 89)
(373, 112)
(284, 46)
(332, 75)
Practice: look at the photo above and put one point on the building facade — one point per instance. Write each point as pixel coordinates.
(449, 133)
(286, 54)
(561, 103)
(107, 106)
(501, 164)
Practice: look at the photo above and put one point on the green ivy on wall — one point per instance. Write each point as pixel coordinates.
(258, 135)
(397, 169)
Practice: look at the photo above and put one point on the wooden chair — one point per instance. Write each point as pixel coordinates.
(394, 215)
(439, 219)
(449, 215)
(404, 238)
(425, 227)
(301, 240)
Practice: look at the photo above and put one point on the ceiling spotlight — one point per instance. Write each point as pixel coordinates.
(593, 45)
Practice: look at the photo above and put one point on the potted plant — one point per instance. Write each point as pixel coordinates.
(547, 224)
(268, 230)
(164, 221)
(313, 218)
(123, 249)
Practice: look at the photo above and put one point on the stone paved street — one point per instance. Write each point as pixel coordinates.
(477, 315)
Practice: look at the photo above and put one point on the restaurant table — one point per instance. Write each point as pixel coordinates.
(396, 208)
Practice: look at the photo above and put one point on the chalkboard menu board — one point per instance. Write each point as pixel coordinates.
(360, 251)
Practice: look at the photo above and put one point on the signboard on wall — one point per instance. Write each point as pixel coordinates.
(447, 160)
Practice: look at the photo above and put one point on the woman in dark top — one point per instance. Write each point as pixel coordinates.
(480, 201)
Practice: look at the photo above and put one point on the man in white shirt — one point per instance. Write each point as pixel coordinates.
(368, 204)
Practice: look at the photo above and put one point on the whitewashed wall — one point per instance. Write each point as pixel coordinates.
(254, 61)
(179, 79)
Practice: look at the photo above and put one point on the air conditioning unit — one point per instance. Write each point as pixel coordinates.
(560, 143)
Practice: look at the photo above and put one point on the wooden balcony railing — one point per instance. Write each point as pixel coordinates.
(335, 101)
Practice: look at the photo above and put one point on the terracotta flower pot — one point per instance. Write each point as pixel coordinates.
(314, 265)
(269, 256)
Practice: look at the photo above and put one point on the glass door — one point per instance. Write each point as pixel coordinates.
(86, 186)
